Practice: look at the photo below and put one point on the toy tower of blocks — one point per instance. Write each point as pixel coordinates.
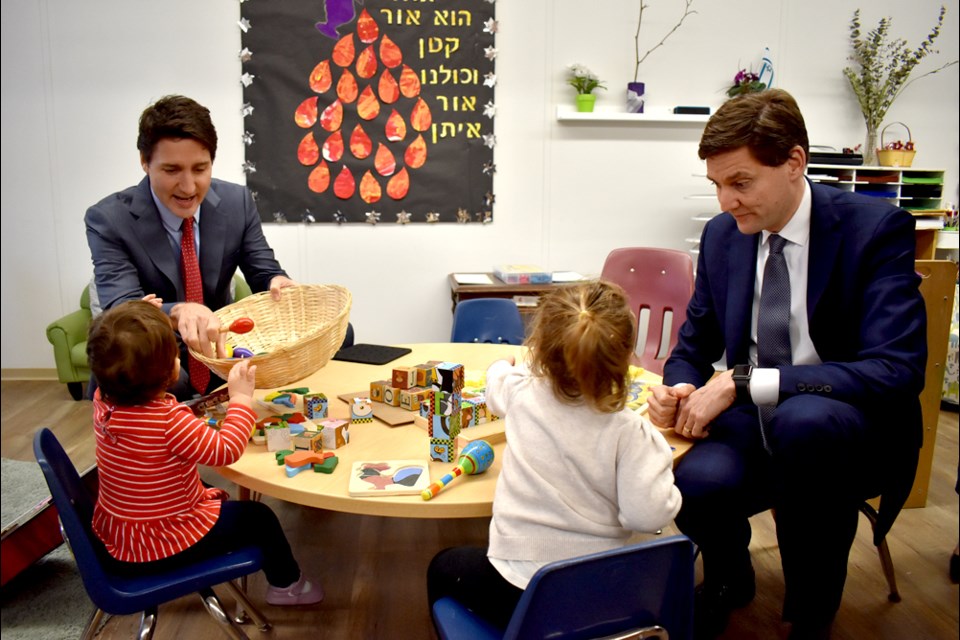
(444, 412)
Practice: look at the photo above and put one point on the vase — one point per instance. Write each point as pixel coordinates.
(870, 158)
(585, 102)
(635, 92)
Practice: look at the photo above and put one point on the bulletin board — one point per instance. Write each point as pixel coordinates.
(374, 111)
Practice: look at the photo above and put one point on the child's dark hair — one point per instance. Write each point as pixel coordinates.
(132, 349)
(582, 339)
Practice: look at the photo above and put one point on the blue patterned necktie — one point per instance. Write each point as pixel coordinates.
(773, 321)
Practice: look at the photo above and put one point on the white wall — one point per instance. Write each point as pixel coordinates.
(76, 76)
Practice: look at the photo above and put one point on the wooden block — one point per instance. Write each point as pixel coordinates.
(376, 389)
(391, 396)
(335, 433)
(392, 416)
(443, 449)
(278, 437)
(361, 410)
(328, 465)
(450, 377)
(315, 406)
(410, 399)
(404, 377)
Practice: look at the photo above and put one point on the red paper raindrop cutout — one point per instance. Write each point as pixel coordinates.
(390, 54)
(347, 87)
(396, 128)
(319, 178)
(387, 88)
(332, 116)
(384, 162)
(321, 79)
(344, 185)
(360, 144)
(409, 83)
(367, 63)
(308, 153)
(306, 115)
(399, 185)
(367, 28)
(333, 147)
(370, 190)
(344, 52)
(368, 107)
(420, 117)
(416, 153)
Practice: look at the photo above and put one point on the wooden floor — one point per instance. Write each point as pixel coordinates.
(373, 569)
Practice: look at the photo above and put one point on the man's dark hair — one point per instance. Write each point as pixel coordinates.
(768, 123)
(176, 117)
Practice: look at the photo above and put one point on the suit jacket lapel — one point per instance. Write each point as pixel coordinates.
(824, 246)
(213, 223)
(153, 237)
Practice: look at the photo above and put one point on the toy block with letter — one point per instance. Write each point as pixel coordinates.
(411, 399)
(391, 396)
(376, 389)
(404, 377)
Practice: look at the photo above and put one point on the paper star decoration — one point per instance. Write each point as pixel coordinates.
(433, 216)
(490, 109)
(255, 195)
(280, 217)
(247, 138)
(246, 109)
(245, 55)
(489, 168)
(489, 139)
(403, 217)
(338, 217)
(463, 216)
(244, 25)
(488, 1)
(249, 167)
(488, 199)
(247, 79)
(373, 217)
(491, 26)
(308, 217)
(490, 79)
(485, 217)
(490, 53)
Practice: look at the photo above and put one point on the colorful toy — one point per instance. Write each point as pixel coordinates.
(315, 405)
(475, 459)
(240, 325)
(361, 410)
(335, 433)
(241, 352)
(328, 466)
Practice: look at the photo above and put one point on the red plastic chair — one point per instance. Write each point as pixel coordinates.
(659, 283)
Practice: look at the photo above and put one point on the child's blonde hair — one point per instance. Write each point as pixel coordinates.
(582, 340)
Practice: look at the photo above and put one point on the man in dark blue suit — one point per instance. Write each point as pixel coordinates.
(135, 234)
(841, 415)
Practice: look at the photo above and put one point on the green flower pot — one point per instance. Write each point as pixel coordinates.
(585, 102)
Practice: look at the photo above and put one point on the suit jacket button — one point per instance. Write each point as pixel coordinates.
(801, 387)
(827, 388)
(819, 388)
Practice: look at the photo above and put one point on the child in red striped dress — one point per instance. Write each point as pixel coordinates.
(153, 511)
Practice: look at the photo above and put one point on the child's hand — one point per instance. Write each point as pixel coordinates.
(241, 381)
(154, 300)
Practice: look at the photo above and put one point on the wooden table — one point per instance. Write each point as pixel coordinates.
(468, 497)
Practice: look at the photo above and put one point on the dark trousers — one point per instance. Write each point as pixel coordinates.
(822, 466)
(242, 523)
(466, 575)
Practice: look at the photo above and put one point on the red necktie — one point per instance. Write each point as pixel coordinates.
(193, 285)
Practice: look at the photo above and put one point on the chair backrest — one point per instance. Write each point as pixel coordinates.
(494, 320)
(75, 507)
(659, 284)
(641, 585)
(240, 287)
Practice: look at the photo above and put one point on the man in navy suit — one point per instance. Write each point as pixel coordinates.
(135, 234)
(845, 422)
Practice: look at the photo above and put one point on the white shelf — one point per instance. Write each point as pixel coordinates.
(569, 113)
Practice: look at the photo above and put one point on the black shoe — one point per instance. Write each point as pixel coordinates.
(810, 631)
(955, 568)
(713, 601)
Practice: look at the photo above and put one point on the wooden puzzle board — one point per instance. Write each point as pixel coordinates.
(376, 478)
(393, 416)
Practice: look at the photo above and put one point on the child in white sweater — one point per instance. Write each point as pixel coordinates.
(581, 472)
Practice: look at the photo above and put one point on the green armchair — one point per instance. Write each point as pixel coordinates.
(68, 335)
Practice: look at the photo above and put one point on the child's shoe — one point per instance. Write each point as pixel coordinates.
(303, 591)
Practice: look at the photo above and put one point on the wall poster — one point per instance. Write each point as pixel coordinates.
(367, 111)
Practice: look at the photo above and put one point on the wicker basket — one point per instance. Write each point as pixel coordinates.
(895, 157)
(294, 337)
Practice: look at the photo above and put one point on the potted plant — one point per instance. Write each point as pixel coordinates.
(882, 71)
(584, 81)
(637, 89)
(745, 82)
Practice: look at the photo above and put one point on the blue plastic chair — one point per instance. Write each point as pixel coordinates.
(645, 589)
(493, 320)
(121, 595)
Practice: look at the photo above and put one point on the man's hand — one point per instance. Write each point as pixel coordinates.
(704, 405)
(664, 402)
(278, 283)
(241, 382)
(199, 328)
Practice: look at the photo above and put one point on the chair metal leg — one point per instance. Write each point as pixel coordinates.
(245, 606)
(148, 624)
(93, 625)
(886, 561)
(215, 608)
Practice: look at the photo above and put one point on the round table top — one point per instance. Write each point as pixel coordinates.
(465, 497)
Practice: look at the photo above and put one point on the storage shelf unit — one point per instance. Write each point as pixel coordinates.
(906, 187)
(567, 113)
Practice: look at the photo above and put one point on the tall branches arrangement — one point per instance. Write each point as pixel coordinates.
(687, 12)
(883, 66)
